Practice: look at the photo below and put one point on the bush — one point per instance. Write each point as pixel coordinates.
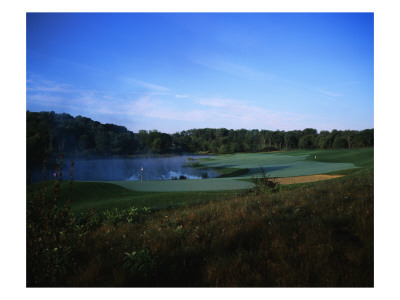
(264, 184)
(140, 264)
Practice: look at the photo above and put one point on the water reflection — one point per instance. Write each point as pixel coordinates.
(109, 169)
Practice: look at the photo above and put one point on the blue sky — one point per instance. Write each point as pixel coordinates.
(178, 71)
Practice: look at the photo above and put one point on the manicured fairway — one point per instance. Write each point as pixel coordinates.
(275, 164)
(193, 185)
(296, 163)
(166, 193)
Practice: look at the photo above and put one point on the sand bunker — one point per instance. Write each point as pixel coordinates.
(304, 179)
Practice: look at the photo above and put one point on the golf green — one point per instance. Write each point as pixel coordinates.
(193, 185)
(274, 165)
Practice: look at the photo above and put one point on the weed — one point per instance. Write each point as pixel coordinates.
(48, 232)
(264, 184)
(140, 264)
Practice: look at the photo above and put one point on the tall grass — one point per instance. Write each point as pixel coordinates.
(318, 234)
(48, 233)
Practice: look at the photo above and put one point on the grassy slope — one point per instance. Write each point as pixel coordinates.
(317, 236)
(362, 158)
(359, 157)
(101, 195)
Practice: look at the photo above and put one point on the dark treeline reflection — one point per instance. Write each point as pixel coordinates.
(109, 169)
(49, 134)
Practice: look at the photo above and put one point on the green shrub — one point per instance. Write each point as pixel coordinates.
(264, 184)
(140, 264)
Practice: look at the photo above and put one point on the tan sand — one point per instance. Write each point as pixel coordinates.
(304, 179)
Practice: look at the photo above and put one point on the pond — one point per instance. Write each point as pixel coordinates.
(110, 169)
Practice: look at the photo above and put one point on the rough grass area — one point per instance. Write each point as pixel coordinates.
(314, 235)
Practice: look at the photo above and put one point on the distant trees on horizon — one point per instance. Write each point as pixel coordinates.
(49, 133)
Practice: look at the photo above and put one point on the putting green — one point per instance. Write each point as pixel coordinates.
(192, 185)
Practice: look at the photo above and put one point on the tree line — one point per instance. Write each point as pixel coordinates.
(49, 133)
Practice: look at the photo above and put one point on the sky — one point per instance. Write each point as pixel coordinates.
(179, 71)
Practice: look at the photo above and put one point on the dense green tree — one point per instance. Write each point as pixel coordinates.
(307, 138)
(310, 131)
(331, 138)
(321, 141)
(49, 133)
(102, 140)
(214, 146)
(340, 142)
(224, 149)
(291, 139)
(278, 138)
(235, 147)
(306, 142)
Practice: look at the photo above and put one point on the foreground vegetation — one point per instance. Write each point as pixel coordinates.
(318, 234)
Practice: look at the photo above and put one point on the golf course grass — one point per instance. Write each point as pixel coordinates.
(275, 164)
(193, 185)
(102, 195)
(237, 169)
(172, 193)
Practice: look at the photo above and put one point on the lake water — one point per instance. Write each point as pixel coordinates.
(110, 169)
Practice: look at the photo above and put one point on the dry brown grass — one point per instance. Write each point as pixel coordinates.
(317, 235)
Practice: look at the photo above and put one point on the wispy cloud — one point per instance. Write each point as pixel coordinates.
(78, 66)
(235, 69)
(45, 93)
(144, 84)
(45, 99)
(348, 83)
(193, 113)
(217, 112)
(181, 96)
(328, 93)
(242, 114)
(47, 86)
